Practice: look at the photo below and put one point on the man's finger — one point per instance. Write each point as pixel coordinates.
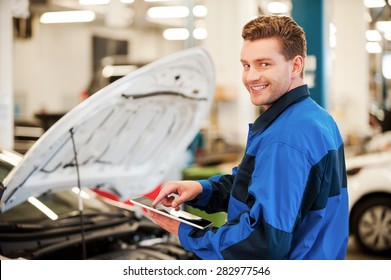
(164, 193)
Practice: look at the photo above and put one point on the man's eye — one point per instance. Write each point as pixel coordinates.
(264, 64)
(245, 66)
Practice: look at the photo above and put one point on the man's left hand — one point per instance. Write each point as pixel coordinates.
(168, 224)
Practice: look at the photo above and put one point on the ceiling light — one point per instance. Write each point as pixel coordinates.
(373, 47)
(176, 34)
(94, 2)
(101, 2)
(383, 26)
(82, 193)
(374, 3)
(9, 157)
(373, 35)
(200, 11)
(67, 17)
(153, 1)
(168, 12)
(200, 33)
(278, 7)
(117, 70)
(43, 208)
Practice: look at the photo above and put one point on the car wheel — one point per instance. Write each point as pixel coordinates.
(371, 225)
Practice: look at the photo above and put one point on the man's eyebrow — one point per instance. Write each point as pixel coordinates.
(258, 59)
(263, 59)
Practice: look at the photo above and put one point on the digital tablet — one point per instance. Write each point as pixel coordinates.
(170, 212)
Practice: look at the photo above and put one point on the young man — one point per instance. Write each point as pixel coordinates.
(288, 197)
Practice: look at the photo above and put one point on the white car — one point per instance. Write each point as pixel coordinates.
(124, 139)
(369, 185)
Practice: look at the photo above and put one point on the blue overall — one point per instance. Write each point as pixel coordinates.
(287, 199)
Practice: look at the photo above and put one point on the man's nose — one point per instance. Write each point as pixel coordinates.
(253, 75)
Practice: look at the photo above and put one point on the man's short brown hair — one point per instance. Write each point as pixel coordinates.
(284, 28)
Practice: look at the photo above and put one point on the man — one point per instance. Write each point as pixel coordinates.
(288, 197)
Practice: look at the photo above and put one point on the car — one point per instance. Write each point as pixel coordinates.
(49, 227)
(123, 140)
(369, 185)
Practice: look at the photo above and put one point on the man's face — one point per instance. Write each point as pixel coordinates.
(267, 75)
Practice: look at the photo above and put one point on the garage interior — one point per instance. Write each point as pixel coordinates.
(48, 68)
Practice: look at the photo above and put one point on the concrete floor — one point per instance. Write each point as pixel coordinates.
(354, 253)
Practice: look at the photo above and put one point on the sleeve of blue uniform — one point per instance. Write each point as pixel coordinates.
(264, 230)
(215, 193)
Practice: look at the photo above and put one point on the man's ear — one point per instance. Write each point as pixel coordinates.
(297, 65)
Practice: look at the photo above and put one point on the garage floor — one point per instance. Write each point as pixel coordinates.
(354, 253)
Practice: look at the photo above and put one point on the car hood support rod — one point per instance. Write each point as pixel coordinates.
(81, 206)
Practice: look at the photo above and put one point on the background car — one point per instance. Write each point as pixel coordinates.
(369, 185)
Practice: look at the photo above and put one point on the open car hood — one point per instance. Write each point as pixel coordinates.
(126, 136)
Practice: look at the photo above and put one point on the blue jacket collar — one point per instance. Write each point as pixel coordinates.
(289, 98)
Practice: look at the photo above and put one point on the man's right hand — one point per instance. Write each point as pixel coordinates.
(184, 191)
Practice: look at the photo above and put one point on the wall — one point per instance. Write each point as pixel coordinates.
(224, 23)
(349, 72)
(53, 67)
(6, 90)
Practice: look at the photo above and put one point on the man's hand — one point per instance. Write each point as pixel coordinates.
(185, 191)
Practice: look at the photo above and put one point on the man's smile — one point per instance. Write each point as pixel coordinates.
(258, 88)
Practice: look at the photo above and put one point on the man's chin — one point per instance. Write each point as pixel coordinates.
(256, 101)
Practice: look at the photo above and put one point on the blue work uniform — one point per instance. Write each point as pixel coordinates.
(288, 197)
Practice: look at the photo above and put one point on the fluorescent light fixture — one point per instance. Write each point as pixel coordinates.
(168, 12)
(67, 17)
(278, 7)
(154, 1)
(387, 35)
(117, 70)
(373, 35)
(383, 26)
(83, 194)
(101, 2)
(11, 158)
(200, 11)
(93, 2)
(374, 3)
(200, 33)
(386, 66)
(373, 47)
(176, 34)
(43, 208)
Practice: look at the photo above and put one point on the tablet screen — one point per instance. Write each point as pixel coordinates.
(180, 215)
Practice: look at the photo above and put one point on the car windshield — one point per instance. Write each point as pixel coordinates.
(8, 160)
(49, 206)
(4, 169)
(53, 206)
